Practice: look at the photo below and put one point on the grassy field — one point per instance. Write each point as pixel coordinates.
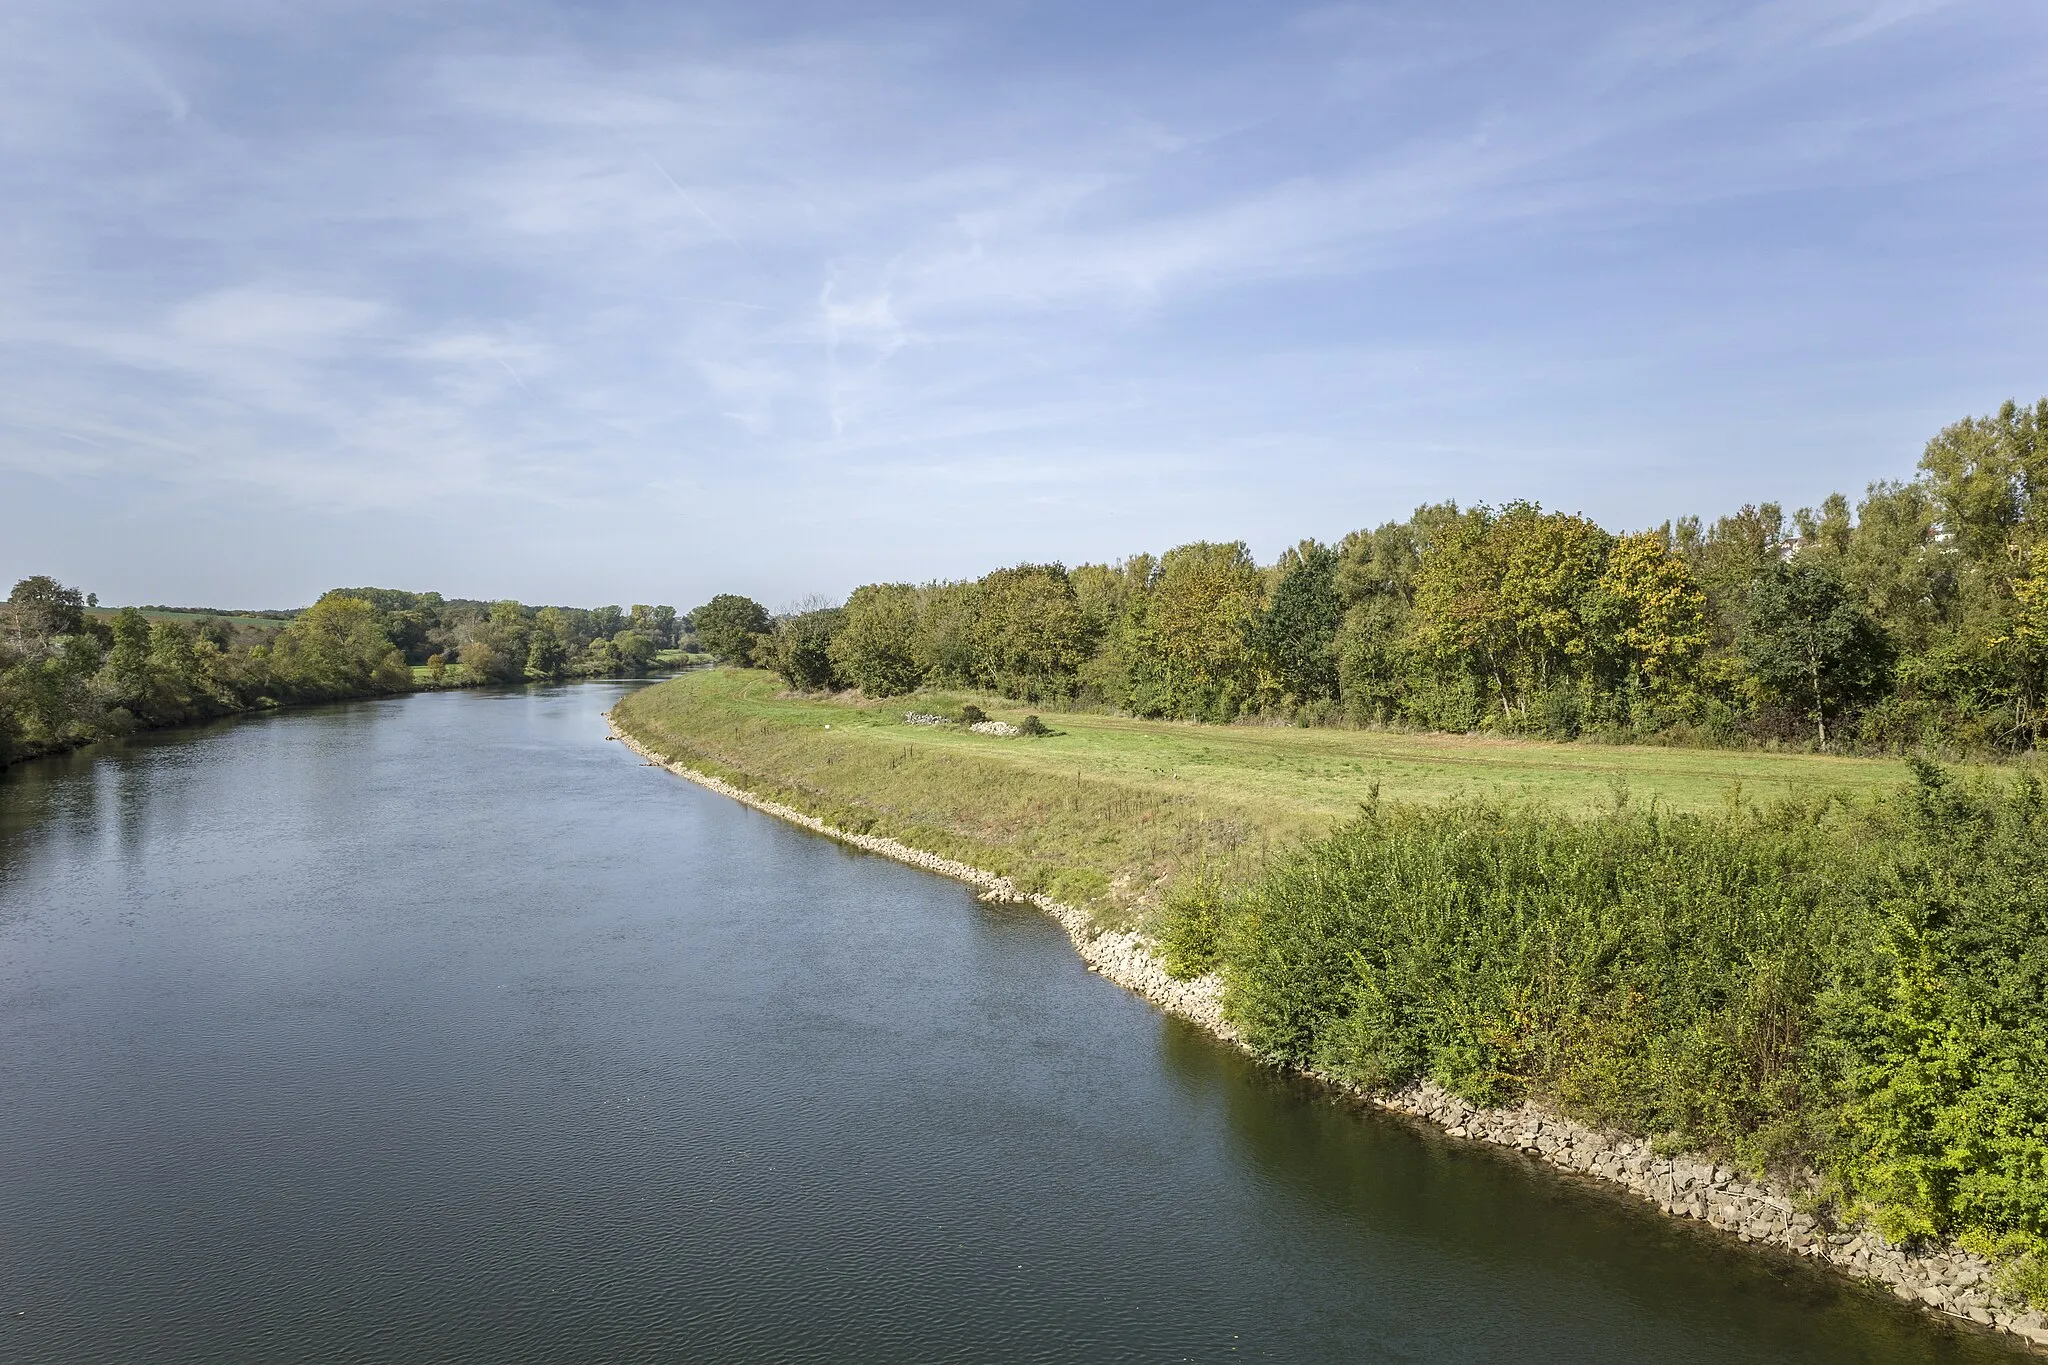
(233, 618)
(1108, 810)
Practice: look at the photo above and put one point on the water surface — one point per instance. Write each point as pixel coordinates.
(440, 1028)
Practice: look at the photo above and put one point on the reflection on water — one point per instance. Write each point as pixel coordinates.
(439, 1028)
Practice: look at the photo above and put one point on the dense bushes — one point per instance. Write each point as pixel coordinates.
(1861, 992)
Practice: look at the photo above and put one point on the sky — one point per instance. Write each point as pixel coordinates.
(595, 302)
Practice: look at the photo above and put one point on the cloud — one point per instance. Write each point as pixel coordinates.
(363, 256)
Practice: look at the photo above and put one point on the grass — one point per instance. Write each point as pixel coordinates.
(1107, 810)
(232, 618)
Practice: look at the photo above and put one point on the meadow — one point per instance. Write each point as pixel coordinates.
(186, 616)
(1108, 810)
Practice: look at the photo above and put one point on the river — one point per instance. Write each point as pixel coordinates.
(439, 1028)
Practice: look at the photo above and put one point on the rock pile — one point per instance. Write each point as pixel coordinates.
(994, 727)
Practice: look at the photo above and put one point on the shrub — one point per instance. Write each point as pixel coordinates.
(1859, 992)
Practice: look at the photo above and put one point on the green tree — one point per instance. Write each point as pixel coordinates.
(124, 679)
(666, 632)
(1810, 643)
(1897, 563)
(1295, 637)
(546, 656)
(875, 648)
(41, 608)
(799, 648)
(1373, 669)
(335, 648)
(1651, 615)
(1727, 558)
(944, 651)
(1990, 476)
(636, 651)
(559, 623)
(726, 627)
(1552, 562)
(1028, 635)
(1190, 640)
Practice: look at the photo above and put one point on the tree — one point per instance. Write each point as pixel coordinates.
(1382, 563)
(726, 627)
(1503, 598)
(1990, 476)
(124, 679)
(944, 652)
(1373, 666)
(1551, 563)
(1189, 640)
(875, 648)
(1810, 643)
(42, 608)
(1028, 634)
(1458, 625)
(334, 648)
(1898, 565)
(799, 648)
(559, 623)
(546, 656)
(636, 652)
(2030, 639)
(1651, 615)
(1729, 556)
(1295, 637)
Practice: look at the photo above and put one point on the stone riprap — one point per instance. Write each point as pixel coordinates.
(1945, 1279)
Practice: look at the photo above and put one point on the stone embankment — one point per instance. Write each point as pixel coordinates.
(1947, 1280)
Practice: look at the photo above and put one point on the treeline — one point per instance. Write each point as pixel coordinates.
(509, 642)
(1914, 618)
(1857, 992)
(71, 673)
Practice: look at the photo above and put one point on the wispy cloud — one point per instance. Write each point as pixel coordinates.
(469, 265)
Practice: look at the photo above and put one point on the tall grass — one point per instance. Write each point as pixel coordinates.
(1857, 990)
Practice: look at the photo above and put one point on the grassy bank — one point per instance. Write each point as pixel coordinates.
(1107, 808)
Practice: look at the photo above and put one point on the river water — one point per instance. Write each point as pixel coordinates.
(439, 1028)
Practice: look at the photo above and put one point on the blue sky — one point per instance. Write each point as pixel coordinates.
(595, 302)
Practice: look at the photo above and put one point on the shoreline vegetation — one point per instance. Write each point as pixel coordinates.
(1806, 1009)
(73, 672)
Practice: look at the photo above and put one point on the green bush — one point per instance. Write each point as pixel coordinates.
(1860, 992)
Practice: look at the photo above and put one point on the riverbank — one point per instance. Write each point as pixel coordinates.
(1689, 1186)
